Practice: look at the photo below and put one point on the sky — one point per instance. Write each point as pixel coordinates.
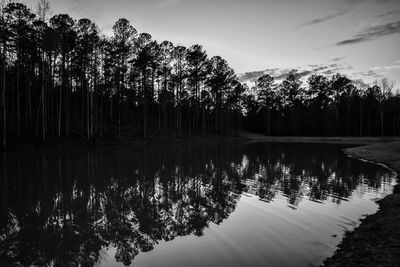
(359, 38)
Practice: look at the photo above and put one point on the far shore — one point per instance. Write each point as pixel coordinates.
(73, 142)
(318, 139)
(65, 143)
(376, 242)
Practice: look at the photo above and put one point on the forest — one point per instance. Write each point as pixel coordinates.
(62, 78)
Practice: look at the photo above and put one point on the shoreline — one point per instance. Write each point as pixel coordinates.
(55, 143)
(67, 143)
(376, 241)
(319, 139)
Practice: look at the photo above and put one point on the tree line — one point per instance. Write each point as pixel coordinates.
(63, 78)
(336, 106)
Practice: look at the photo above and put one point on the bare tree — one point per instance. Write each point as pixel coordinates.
(3, 84)
(43, 9)
(386, 88)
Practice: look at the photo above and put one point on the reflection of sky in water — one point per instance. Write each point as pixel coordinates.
(191, 205)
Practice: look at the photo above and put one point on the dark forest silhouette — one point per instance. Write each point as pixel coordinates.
(337, 106)
(63, 78)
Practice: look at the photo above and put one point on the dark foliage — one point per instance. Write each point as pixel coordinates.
(62, 78)
(327, 107)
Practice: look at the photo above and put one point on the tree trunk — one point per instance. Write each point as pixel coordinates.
(361, 125)
(87, 113)
(382, 122)
(3, 99)
(60, 96)
(268, 123)
(144, 104)
(67, 98)
(18, 101)
(204, 121)
(43, 102)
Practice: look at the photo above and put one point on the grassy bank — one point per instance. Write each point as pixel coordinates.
(376, 242)
(318, 139)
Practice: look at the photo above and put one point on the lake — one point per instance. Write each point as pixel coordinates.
(250, 204)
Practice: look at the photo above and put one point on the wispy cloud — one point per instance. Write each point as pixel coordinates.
(366, 74)
(323, 19)
(324, 69)
(304, 71)
(356, 2)
(388, 68)
(347, 6)
(373, 32)
(337, 59)
(389, 13)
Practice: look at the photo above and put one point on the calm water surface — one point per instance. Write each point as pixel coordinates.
(256, 204)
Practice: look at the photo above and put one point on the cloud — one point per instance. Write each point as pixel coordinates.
(328, 72)
(277, 73)
(388, 68)
(365, 77)
(323, 19)
(337, 59)
(250, 76)
(389, 13)
(356, 2)
(331, 68)
(323, 69)
(304, 71)
(347, 6)
(368, 74)
(373, 32)
(374, 73)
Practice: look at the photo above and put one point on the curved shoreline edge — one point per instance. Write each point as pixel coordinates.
(376, 241)
(395, 173)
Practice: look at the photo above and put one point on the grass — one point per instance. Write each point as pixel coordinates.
(319, 139)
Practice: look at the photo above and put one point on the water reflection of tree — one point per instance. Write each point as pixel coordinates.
(302, 170)
(67, 208)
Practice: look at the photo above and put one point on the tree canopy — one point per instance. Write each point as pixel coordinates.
(63, 78)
